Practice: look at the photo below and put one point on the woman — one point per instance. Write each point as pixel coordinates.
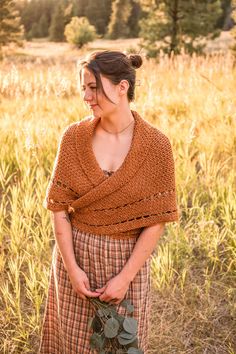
(111, 192)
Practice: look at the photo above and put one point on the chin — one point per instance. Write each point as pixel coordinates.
(106, 113)
(96, 113)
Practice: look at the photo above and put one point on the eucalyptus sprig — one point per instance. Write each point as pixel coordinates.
(113, 333)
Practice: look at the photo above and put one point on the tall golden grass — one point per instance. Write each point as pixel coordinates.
(193, 101)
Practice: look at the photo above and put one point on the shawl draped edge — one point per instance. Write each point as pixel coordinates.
(140, 193)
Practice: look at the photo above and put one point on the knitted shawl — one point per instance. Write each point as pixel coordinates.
(140, 193)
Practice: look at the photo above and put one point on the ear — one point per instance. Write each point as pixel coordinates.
(123, 87)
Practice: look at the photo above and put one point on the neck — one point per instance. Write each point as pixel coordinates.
(118, 120)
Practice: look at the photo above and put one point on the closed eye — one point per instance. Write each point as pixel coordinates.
(92, 88)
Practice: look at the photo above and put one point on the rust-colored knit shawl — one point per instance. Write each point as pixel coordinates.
(140, 193)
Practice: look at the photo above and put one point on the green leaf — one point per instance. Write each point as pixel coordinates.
(126, 341)
(111, 328)
(127, 305)
(104, 312)
(135, 351)
(124, 303)
(130, 325)
(100, 313)
(134, 344)
(96, 324)
(126, 335)
(90, 322)
(96, 341)
(119, 318)
(113, 310)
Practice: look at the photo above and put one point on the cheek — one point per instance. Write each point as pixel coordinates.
(104, 102)
(112, 99)
(111, 92)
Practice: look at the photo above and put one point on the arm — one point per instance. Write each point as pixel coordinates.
(63, 235)
(117, 287)
(144, 247)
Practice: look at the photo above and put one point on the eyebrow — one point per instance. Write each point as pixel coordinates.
(90, 83)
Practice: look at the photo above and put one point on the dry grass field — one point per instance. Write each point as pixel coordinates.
(192, 100)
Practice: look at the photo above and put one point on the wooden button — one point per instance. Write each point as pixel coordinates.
(71, 209)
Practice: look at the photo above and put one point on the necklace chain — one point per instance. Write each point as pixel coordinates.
(117, 132)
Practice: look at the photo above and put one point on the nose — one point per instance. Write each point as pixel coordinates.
(87, 96)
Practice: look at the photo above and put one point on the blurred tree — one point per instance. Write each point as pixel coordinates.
(233, 30)
(118, 26)
(68, 12)
(43, 26)
(94, 12)
(34, 16)
(27, 13)
(79, 31)
(35, 31)
(10, 29)
(225, 21)
(107, 14)
(35, 12)
(56, 30)
(171, 25)
(37, 15)
(135, 16)
(98, 13)
(79, 7)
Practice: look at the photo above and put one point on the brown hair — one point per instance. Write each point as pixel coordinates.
(115, 66)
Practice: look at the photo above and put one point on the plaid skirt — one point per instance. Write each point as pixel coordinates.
(65, 327)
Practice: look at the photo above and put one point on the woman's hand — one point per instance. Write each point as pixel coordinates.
(115, 289)
(80, 283)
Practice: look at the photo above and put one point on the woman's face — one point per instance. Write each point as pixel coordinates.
(95, 99)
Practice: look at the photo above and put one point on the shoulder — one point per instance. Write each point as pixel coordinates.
(163, 142)
(162, 151)
(162, 147)
(160, 139)
(72, 128)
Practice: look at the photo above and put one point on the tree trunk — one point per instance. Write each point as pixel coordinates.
(174, 33)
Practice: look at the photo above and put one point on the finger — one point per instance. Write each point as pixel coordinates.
(105, 297)
(90, 293)
(117, 302)
(81, 296)
(77, 292)
(113, 302)
(100, 290)
(86, 283)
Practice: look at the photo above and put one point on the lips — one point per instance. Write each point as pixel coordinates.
(93, 105)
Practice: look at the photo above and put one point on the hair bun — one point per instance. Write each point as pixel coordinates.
(136, 60)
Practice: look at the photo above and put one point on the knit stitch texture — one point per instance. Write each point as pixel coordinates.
(140, 193)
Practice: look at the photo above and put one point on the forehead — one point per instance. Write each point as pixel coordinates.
(87, 76)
